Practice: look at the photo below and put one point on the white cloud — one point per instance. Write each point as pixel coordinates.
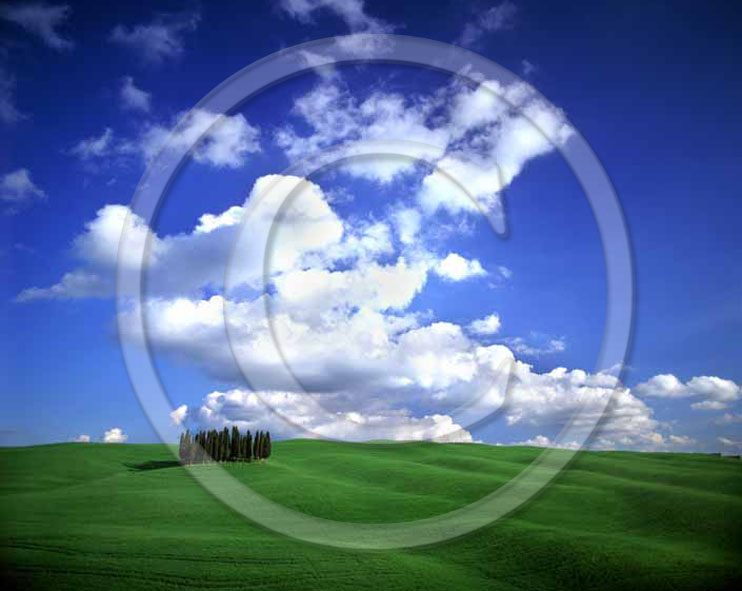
(226, 141)
(544, 441)
(179, 415)
(716, 393)
(407, 222)
(682, 440)
(352, 12)
(17, 189)
(8, 112)
(729, 419)
(73, 285)
(456, 268)
(730, 442)
(223, 141)
(82, 439)
(95, 146)
(537, 345)
(488, 325)
(133, 98)
(478, 138)
(496, 18)
(41, 20)
(186, 263)
(248, 410)
(115, 435)
(505, 272)
(160, 40)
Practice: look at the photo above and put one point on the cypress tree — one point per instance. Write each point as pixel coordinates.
(235, 450)
(256, 446)
(185, 456)
(180, 447)
(211, 445)
(248, 447)
(226, 445)
(198, 449)
(267, 445)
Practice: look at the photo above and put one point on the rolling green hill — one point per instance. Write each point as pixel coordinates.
(94, 516)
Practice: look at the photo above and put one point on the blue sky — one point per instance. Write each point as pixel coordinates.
(88, 94)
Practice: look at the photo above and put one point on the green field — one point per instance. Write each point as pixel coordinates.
(95, 516)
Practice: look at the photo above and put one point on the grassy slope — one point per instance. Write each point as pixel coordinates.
(89, 516)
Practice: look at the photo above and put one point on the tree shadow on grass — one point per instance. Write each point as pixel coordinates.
(152, 465)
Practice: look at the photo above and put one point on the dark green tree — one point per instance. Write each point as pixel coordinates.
(248, 446)
(185, 448)
(198, 449)
(235, 448)
(267, 445)
(256, 445)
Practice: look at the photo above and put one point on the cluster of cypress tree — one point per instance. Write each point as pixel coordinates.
(224, 446)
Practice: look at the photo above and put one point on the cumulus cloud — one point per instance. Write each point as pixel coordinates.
(456, 268)
(179, 415)
(41, 20)
(496, 18)
(115, 435)
(82, 439)
(488, 325)
(187, 263)
(248, 410)
(711, 392)
(134, 98)
(479, 138)
(160, 40)
(17, 189)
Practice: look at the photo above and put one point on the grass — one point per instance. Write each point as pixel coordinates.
(94, 516)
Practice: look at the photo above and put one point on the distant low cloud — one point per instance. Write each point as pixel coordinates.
(41, 20)
(711, 392)
(133, 98)
(115, 435)
(681, 440)
(495, 18)
(544, 441)
(82, 439)
(17, 190)
(160, 40)
(730, 442)
(729, 419)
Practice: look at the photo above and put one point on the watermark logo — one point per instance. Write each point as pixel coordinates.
(325, 54)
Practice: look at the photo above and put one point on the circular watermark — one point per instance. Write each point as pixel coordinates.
(136, 244)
